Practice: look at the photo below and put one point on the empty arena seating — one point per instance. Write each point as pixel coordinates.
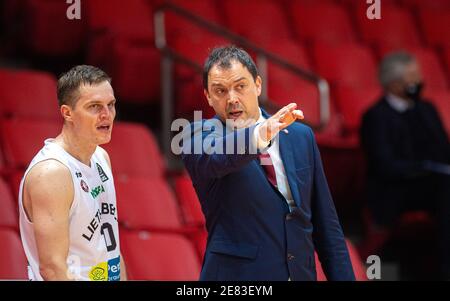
(398, 22)
(324, 22)
(23, 138)
(152, 256)
(347, 64)
(434, 25)
(353, 103)
(13, 263)
(28, 94)
(178, 26)
(284, 87)
(188, 200)
(60, 37)
(8, 213)
(134, 151)
(147, 204)
(264, 20)
(124, 46)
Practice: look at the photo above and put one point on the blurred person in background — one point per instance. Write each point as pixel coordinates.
(408, 152)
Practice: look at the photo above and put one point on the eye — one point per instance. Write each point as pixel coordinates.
(220, 91)
(112, 105)
(95, 106)
(241, 86)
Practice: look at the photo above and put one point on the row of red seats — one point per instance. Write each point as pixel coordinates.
(124, 46)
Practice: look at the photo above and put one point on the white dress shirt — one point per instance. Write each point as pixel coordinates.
(398, 104)
(274, 152)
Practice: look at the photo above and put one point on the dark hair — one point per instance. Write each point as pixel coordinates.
(70, 82)
(223, 56)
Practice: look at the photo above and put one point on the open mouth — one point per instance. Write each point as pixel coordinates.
(104, 128)
(235, 114)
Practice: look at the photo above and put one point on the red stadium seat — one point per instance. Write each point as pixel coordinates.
(432, 70)
(28, 94)
(357, 264)
(418, 5)
(152, 256)
(8, 213)
(134, 151)
(23, 138)
(49, 32)
(264, 20)
(176, 25)
(446, 53)
(147, 203)
(14, 182)
(435, 25)
(13, 263)
(324, 22)
(396, 28)
(135, 69)
(353, 103)
(190, 205)
(284, 86)
(133, 20)
(350, 65)
(121, 40)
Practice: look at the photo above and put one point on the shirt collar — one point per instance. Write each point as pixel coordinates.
(261, 117)
(398, 103)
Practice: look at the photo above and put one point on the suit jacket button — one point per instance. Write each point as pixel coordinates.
(289, 216)
(290, 256)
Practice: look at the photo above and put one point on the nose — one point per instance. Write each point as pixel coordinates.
(105, 112)
(233, 99)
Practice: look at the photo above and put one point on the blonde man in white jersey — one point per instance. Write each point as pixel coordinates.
(67, 201)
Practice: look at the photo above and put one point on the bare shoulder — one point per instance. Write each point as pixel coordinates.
(49, 181)
(105, 154)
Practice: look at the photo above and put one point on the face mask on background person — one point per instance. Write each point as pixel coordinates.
(414, 91)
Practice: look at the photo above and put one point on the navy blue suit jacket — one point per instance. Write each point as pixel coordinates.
(252, 235)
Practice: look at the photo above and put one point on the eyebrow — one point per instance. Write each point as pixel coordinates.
(235, 81)
(99, 101)
(239, 79)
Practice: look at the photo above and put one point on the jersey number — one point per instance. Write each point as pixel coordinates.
(111, 242)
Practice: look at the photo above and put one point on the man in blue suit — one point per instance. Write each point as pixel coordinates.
(260, 182)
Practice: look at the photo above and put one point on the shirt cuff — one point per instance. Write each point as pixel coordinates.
(257, 139)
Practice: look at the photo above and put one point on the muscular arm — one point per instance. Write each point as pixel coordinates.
(48, 196)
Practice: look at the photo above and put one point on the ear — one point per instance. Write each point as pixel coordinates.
(66, 112)
(205, 92)
(258, 83)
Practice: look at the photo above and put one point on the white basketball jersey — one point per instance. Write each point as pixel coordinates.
(94, 252)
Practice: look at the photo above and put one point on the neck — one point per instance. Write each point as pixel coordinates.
(75, 145)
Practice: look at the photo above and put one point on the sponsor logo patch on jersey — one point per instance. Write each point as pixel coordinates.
(99, 272)
(84, 186)
(97, 190)
(106, 271)
(102, 174)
